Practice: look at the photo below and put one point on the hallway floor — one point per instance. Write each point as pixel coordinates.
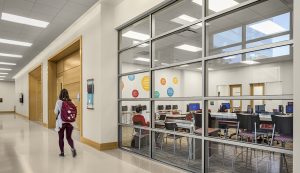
(27, 147)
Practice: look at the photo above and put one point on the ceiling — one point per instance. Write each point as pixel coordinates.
(59, 13)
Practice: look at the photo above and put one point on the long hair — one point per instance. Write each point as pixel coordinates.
(64, 95)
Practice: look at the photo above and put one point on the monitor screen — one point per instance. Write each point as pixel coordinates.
(168, 107)
(160, 107)
(174, 107)
(194, 107)
(124, 108)
(260, 109)
(289, 109)
(144, 107)
(226, 105)
(133, 108)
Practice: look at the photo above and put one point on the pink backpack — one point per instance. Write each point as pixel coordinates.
(68, 112)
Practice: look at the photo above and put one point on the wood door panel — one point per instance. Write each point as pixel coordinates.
(73, 89)
(60, 67)
(72, 76)
(72, 61)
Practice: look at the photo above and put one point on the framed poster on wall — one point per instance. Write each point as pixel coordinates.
(90, 94)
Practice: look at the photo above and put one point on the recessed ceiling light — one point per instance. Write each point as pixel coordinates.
(189, 48)
(185, 20)
(13, 42)
(249, 62)
(2, 76)
(1, 79)
(24, 20)
(217, 5)
(136, 35)
(5, 69)
(142, 59)
(267, 27)
(3, 73)
(10, 55)
(7, 63)
(184, 65)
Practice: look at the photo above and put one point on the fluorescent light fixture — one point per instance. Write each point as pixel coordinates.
(24, 20)
(1, 79)
(189, 48)
(10, 55)
(136, 35)
(7, 63)
(185, 20)
(165, 64)
(2, 76)
(143, 59)
(267, 27)
(142, 45)
(13, 42)
(229, 57)
(249, 62)
(5, 69)
(218, 5)
(184, 65)
(3, 73)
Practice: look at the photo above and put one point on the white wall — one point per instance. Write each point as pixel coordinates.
(7, 90)
(21, 86)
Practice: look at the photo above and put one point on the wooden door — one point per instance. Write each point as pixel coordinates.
(236, 90)
(257, 89)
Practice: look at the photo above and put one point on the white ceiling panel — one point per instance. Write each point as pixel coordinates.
(59, 13)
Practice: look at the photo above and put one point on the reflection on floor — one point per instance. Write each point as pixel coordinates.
(223, 158)
(27, 147)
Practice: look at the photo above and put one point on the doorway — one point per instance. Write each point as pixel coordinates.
(64, 71)
(235, 90)
(257, 89)
(35, 95)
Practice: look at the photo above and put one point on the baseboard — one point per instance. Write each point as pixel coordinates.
(101, 147)
(22, 116)
(7, 112)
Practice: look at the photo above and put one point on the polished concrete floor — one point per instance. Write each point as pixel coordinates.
(27, 147)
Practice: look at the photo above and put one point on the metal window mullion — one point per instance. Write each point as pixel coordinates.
(152, 108)
(265, 97)
(203, 146)
(177, 64)
(248, 50)
(134, 99)
(134, 72)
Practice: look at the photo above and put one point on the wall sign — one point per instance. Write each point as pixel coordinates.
(175, 80)
(156, 94)
(90, 94)
(163, 81)
(131, 77)
(170, 92)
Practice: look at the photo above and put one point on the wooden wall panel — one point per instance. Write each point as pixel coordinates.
(72, 76)
(60, 67)
(72, 61)
(52, 97)
(74, 89)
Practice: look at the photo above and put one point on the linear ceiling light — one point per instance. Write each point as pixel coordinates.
(189, 48)
(218, 5)
(185, 20)
(136, 35)
(1, 79)
(141, 45)
(5, 69)
(7, 63)
(2, 76)
(184, 65)
(267, 27)
(13, 42)
(10, 55)
(3, 73)
(250, 62)
(24, 20)
(209, 69)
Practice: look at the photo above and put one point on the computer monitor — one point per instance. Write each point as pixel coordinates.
(194, 107)
(133, 108)
(260, 109)
(168, 107)
(144, 107)
(124, 108)
(160, 107)
(175, 107)
(226, 105)
(289, 109)
(280, 108)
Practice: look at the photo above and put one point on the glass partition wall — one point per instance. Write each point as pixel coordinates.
(207, 86)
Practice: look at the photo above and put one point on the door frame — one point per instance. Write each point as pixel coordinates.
(67, 50)
(29, 93)
(252, 85)
(231, 94)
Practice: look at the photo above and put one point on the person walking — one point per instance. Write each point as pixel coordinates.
(62, 104)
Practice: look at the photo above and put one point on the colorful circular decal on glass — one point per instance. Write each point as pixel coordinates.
(175, 80)
(163, 81)
(170, 92)
(135, 93)
(146, 83)
(156, 94)
(131, 77)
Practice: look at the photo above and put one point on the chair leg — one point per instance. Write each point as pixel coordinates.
(286, 165)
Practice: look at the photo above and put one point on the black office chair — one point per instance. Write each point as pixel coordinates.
(247, 127)
(140, 133)
(173, 127)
